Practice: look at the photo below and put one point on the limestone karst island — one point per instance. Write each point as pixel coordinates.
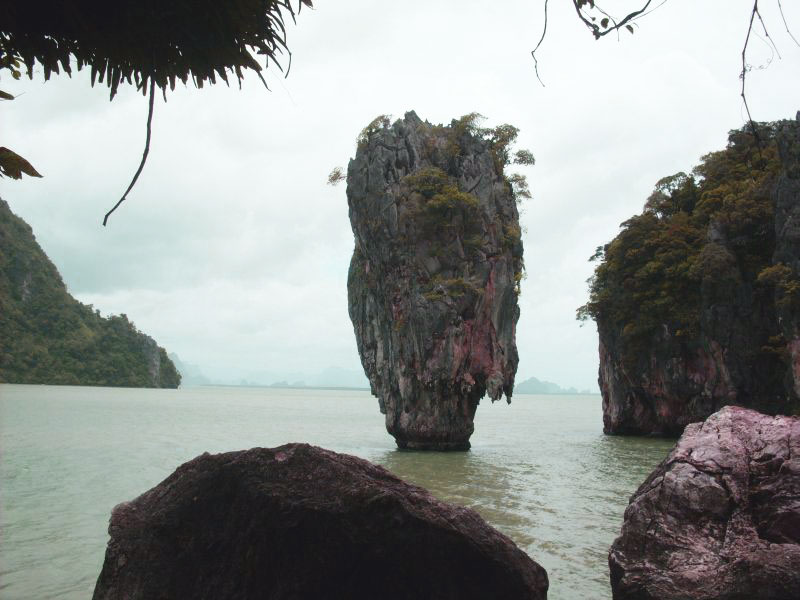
(433, 282)
(257, 342)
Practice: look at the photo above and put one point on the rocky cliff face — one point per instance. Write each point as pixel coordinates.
(740, 343)
(434, 277)
(719, 518)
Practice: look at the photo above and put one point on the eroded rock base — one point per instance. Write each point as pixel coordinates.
(431, 422)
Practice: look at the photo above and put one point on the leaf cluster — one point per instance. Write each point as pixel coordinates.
(336, 176)
(12, 164)
(378, 123)
(444, 207)
(601, 23)
(134, 41)
(501, 140)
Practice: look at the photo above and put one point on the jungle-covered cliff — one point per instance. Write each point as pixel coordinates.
(697, 299)
(47, 336)
(435, 272)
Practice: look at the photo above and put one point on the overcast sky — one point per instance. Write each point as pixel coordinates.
(232, 252)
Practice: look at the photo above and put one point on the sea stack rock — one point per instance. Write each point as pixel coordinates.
(719, 518)
(434, 278)
(302, 522)
(697, 300)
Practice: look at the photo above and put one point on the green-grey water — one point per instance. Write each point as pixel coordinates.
(540, 470)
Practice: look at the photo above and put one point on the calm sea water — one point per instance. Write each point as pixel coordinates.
(540, 470)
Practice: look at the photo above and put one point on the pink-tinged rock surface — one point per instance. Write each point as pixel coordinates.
(298, 522)
(433, 282)
(667, 394)
(719, 518)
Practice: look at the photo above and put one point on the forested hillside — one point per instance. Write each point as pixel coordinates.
(46, 336)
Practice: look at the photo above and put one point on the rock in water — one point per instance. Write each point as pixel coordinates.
(697, 300)
(719, 518)
(434, 278)
(299, 522)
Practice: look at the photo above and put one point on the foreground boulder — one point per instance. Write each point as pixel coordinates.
(303, 522)
(719, 518)
(435, 272)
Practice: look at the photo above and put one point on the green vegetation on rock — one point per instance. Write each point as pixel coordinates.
(700, 240)
(46, 336)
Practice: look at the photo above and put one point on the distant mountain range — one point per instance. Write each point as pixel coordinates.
(330, 377)
(337, 377)
(190, 374)
(535, 386)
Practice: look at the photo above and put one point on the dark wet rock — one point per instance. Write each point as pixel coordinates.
(719, 518)
(299, 522)
(434, 277)
(746, 349)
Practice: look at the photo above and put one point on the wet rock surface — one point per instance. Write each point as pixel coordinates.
(747, 347)
(719, 518)
(433, 281)
(299, 521)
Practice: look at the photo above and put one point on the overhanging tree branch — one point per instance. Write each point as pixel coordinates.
(603, 28)
(785, 24)
(746, 68)
(144, 154)
(602, 23)
(541, 39)
(148, 44)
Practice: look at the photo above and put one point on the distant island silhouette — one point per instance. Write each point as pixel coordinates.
(535, 386)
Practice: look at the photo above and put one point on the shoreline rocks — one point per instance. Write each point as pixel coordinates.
(299, 521)
(719, 518)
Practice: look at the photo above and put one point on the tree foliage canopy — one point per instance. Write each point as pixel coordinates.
(135, 41)
(698, 239)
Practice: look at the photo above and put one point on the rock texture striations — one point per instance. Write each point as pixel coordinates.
(723, 318)
(719, 518)
(434, 277)
(302, 522)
